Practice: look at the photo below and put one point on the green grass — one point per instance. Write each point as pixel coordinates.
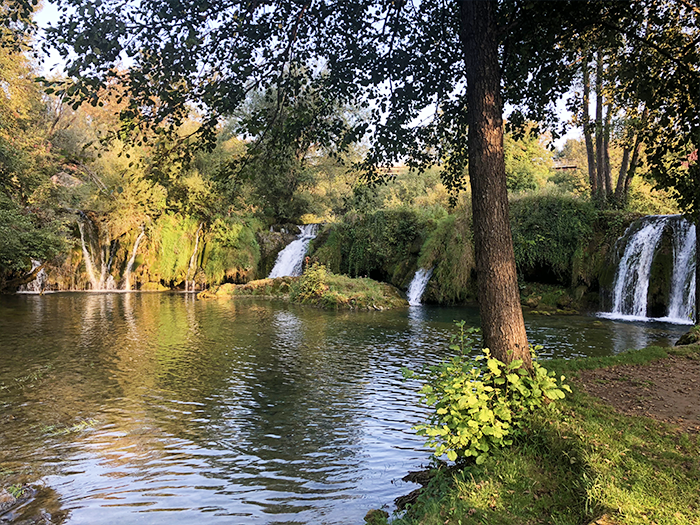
(576, 465)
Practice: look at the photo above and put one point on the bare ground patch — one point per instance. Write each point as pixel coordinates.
(667, 390)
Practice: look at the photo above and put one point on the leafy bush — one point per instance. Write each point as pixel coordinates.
(550, 233)
(174, 238)
(449, 249)
(231, 249)
(481, 403)
(311, 285)
(383, 245)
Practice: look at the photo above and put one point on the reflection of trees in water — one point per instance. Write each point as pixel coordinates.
(286, 419)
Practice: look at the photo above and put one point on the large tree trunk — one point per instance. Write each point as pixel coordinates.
(499, 301)
(587, 131)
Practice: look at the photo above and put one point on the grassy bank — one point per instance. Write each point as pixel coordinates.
(321, 288)
(587, 463)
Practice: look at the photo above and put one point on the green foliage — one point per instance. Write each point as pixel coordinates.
(479, 404)
(528, 162)
(575, 465)
(311, 285)
(550, 233)
(175, 239)
(449, 249)
(319, 287)
(231, 249)
(383, 245)
(23, 237)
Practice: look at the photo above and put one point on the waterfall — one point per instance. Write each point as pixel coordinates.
(106, 253)
(681, 304)
(89, 266)
(132, 261)
(632, 278)
(290, 260)
(39, 282)
(675, 288)
(193, 260)
(417, 286)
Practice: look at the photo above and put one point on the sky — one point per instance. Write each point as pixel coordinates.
(52, 63)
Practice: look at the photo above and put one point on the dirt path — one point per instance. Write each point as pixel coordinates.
(667, 390)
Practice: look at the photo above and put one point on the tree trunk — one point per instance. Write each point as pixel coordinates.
(620, 196)
(600, 162)
(635, 153)
(633, 165)
(607, 172)
(502, 323)
(587, 132)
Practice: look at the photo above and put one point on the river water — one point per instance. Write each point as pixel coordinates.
(159, 408)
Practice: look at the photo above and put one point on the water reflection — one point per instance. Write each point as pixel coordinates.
(160, 408)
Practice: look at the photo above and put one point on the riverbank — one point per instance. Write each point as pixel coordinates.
(623, 449)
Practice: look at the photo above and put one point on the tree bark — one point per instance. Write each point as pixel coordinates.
(587, 133)
(607, 172)
(622, 175)
(600, 162)
(502, 322)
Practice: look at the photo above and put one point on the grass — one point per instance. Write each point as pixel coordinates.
(574, 466)
(321, 288)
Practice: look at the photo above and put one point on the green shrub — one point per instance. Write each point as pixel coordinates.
(231, 248)
(550, 232)
(449, 249)
(173, 240)
(481, 403)
(311, 285)
(383, 244)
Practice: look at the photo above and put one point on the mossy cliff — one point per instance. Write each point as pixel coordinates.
(171, 250)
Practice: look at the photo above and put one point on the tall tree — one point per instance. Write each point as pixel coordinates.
(459, 60)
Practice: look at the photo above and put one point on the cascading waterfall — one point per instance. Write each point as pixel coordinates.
(417, 286)
(631, 296)
(89, 266)
(193, 261)
(290, 260)
(106, 256)
(132, 261)
(632, 278)
(682, 297)
(39, 282)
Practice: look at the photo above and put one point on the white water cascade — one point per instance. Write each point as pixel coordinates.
(290, 260)
(89, 266)
(39, 282)
(106, 257)
(132, 261)
(682, 297)
(417, 286)
(193, 261)
(631, 285)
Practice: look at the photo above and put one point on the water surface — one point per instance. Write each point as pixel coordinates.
(158, 408)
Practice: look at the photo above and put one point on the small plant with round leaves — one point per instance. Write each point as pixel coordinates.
(480, 403)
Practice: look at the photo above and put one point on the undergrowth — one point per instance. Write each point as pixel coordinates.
(574, 466)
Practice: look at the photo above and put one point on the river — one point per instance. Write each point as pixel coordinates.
(160, 408)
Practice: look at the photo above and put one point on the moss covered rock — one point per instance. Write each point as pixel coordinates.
(691, 337)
